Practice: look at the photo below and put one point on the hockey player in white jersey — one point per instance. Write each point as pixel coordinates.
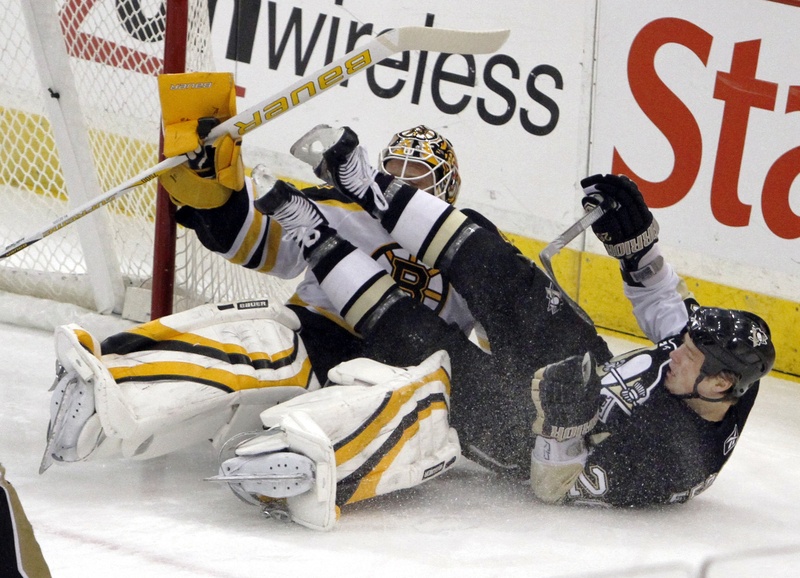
(206, 373)
(215, 199)
(653, 426)
(418, 155)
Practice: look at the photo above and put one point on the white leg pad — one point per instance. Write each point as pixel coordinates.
(115, 416)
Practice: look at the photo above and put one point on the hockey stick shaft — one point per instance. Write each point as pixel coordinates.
(93, 205)
(311, 85)
(562, 241)
(383, 46)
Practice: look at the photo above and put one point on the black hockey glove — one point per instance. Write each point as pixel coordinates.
(628, 228)
(567, 398)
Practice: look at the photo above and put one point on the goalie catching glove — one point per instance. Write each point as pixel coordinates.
(627, 229)
(192, 105)
(210, 176)
(567, 398)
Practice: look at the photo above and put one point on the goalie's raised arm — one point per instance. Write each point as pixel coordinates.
(192, 104)
(359, 59)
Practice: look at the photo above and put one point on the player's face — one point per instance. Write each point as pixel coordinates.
(415, 174)
(684, 367)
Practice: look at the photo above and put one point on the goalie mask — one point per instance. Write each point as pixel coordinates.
(735, 341)
(424, 156)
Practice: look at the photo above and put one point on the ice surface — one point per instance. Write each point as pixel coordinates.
(159, 518)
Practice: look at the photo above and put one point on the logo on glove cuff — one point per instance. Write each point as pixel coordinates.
(564, 433)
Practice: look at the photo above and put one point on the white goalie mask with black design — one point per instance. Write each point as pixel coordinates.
(423, 158)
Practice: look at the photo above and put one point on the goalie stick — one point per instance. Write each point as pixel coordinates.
(562, 241)
(361, 58)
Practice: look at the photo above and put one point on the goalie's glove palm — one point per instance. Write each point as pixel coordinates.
(628, 228)
(219, 159)
(567, 398)
(211, 173)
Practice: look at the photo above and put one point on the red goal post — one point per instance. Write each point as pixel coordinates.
(80, 117)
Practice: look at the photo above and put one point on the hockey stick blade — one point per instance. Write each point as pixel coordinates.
(358, 59)
(448, 40)
(562, 241)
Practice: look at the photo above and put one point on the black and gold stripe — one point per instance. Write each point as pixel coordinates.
(362, 483)
(157, 337)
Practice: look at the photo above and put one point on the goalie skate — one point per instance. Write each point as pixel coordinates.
(71, 408)
(337, 158)
(273, 475)
(288, 470)
(75, 430)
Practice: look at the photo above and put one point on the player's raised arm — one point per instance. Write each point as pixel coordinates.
(629, 233)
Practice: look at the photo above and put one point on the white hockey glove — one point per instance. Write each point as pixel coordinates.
(627, 229)
(567, 398)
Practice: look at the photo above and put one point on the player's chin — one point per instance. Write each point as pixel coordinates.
(669, 381)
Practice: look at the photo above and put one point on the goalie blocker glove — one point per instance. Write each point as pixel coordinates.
(566, 396)
(627, 229)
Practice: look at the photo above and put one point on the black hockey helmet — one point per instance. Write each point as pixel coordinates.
(428, 149)
(735, 341)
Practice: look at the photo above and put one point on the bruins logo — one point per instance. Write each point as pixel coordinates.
(427, 286)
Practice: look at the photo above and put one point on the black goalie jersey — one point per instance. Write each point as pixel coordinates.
(649, 446)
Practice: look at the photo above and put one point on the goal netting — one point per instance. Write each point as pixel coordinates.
(80, 115)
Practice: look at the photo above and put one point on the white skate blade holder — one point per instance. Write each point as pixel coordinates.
(310, 146)
(65, 406)
(274, 475)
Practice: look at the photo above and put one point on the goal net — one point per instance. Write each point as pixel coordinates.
(80, 115)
